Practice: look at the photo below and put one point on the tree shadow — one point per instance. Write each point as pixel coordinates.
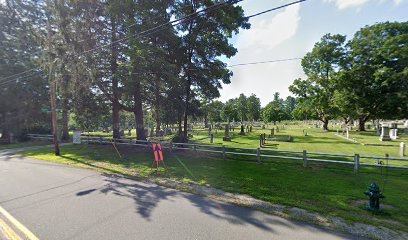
(145, 196)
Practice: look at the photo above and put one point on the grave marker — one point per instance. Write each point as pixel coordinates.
(402, 149)
(385, 133)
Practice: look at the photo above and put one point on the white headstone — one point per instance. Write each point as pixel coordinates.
(347, 132)
(77, 137)
(385, 131)
(406, 127)
(402, 149)
(394, 134)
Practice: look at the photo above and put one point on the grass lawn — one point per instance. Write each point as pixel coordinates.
(22, 144)
(316, 140)
(330, 189)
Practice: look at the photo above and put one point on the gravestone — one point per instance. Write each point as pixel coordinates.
(394, 134)
(347, 133)
(402, 149)
(211, 138)
(406, 127)
(272, 132)
(385, 133)
(277, 129)
(77, 137)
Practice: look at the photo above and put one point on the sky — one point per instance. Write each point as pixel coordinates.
(290, 33)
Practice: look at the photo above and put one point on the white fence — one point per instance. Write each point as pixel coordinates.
(257, 153)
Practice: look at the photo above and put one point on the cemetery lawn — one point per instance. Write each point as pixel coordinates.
(330, 189)
(317, 140)
(22, 144)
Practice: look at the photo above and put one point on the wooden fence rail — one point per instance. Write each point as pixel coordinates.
(257, 153)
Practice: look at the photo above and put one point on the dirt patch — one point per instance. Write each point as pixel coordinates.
(363, 203)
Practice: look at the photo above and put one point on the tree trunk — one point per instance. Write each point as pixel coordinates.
(180, 131)
(115, 92)
(157, 106)
(158, 123)
(361, 123)
(65, 119)
(205, 121)
(325, 124)
(138, 110)
(188, 94)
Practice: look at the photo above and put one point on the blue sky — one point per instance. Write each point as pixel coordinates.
(291, 33)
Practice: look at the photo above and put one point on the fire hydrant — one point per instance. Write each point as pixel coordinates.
(374, 194)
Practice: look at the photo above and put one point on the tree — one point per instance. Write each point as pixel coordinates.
(23, 95)
(374, 82)
(204, 40)
(230, 110)
(321, 67)
(213, 111)
(290, 105)
(274, 111)
(254, 107)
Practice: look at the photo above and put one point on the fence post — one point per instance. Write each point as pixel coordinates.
(304, 159)
(258, 155)
(356, 163)
(260, 140)
(223, 152)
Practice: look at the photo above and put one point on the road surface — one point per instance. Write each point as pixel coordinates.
(61, 202)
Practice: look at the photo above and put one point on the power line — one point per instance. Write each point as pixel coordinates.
(263, 62)
(149, 31)
(148, 73)
(275, 8)
(21, 78)
(177, 22)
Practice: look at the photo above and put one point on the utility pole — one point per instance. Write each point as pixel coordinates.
(53, 89)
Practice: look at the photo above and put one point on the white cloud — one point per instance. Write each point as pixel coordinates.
(270, 32)
(271, 37)
(343, 4)
(398, 2)
(357, 4)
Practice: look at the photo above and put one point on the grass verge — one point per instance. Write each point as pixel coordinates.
(329, 189)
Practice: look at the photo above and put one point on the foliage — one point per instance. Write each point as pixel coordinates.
(373, 81)
(321, 66)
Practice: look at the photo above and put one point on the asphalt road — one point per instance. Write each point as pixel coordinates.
(61, 202)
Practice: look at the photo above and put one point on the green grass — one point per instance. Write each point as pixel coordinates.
(22, 144)
(330, 189)
(316, 141)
